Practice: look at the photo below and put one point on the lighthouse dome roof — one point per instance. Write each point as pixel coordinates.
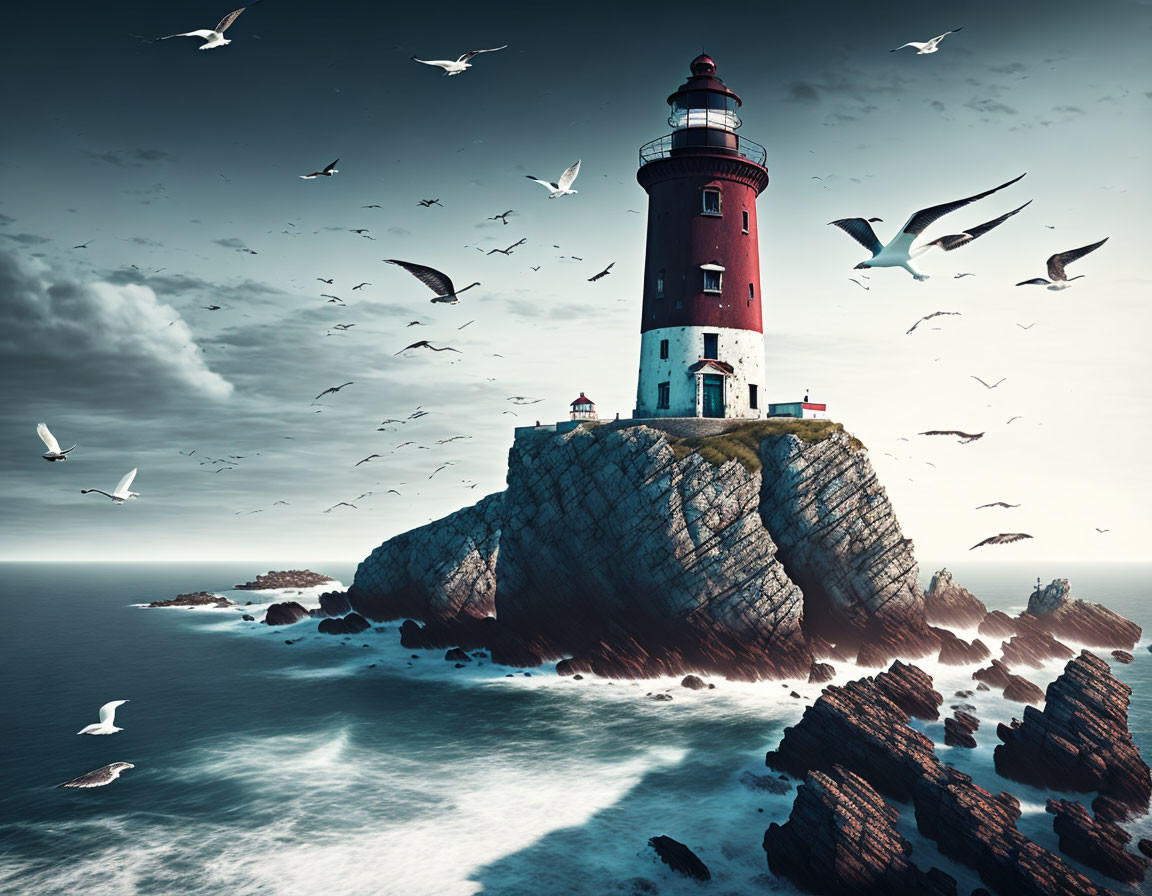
(703, 65)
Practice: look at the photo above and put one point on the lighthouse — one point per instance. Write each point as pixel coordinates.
(702, 333)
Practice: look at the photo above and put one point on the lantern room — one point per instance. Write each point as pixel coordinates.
(583, 408)
(704, 110)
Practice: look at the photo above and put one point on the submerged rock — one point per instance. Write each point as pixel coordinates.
(946, 603)
(841, 840)
(958, 730)
(334, 603)
(769, 783)
(287, 613)
(1081, 741)
(292, 578)
(693, 683)
(1122, 656)
(1034, 648)
(1098, 843)
(457, 655)
(352, 624)
(679, 858)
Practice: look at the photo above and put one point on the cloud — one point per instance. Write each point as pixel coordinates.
(5, 220)
(937, 105)
(103, 342)
(27, 239)
(991, 107)
(803, 93)
(230, 242)
(130, 158)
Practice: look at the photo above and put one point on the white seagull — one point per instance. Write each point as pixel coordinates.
(898, 253)
(106, 774)
(215, 37)
(53, 453)
(461, 64)
(121, 493)
(107, 723)
(928, 46)
(562, 187)
(1059, 280)
(328, 171)
(437, 281)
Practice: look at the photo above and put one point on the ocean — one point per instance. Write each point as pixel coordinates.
(345, 765)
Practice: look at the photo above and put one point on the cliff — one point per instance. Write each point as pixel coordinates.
(634, 551)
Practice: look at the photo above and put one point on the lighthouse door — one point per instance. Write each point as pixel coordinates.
(713, 395)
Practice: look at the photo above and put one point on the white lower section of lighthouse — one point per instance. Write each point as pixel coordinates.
(700, 372)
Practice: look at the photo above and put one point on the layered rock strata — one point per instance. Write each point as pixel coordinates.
(946, 603)
(1094, 625)
(1098, 843)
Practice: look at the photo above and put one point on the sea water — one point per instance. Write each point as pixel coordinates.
(346, 765)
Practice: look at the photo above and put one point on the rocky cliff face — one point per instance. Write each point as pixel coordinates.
(631, 552)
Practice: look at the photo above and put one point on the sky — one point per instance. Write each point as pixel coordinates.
(179, 169)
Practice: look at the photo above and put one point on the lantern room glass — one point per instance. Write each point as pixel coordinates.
(703, 109)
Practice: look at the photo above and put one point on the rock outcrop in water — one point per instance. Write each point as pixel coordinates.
(679, 858)
(1098, 843)
(292, 578)
(946, 603)
(287, 613)
(632, 553)
(1055, 611)
(195, 599)
(1081, 741)
(859, 728)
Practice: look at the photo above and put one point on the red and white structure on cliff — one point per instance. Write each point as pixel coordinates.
(702, 333)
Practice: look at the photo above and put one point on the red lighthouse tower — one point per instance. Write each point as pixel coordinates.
(702, 335)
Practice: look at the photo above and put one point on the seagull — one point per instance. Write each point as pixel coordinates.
(343, 326)
(461, 64)
(508, 251)
(428, 203)
(462, 326)
(985, 385)
(929, 317)
(899, 252)
(1017, 417)
(930, 46)
(106, 774)
(331, 299)
(997, 504)
(83, 245)
(1002, 538)
(107, 723)
(328, 171)
(963, 274)
(365, 460)
(53, 453)
(328, 281)
(424, 343)
(440, 283)
(965, 437)
(562, 187)
(121, 493)
(341, 504)
(1101, 531)
(414, 323)
(211, 307)
(1029, 327)
(862, 286)
(502, 217)
(1057, 279)
(361, 285)
(371, 206)
(603, 273)
(332, 389)
(215, 37)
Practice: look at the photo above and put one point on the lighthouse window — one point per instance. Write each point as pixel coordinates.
(662, 396)
(744, 220)
(663, 349)
(712, 345)
(753, 397)
(711, 202)
(751, 293)
(660, 283)
(712, 281)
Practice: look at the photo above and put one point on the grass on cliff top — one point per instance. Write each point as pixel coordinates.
(742, 441)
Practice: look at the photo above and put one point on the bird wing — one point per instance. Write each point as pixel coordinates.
(108, 712)
(912, 43)
(437, 281)
(861, 231)
(47, 438)
(443, 63)
(104, 775)
(551, 187)
(1002, 538)
(1035, 281)
(472, 53)
(203, 32)
(981, 382)
(940, 37)
(925, 217)
(229, 19)
(956, 240)
(1057, 262)
(330, 167)
(126, 482)
(568, 176)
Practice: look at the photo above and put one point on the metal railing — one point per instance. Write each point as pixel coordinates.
(661, 148)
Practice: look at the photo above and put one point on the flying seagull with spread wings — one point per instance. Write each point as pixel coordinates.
(121, 493)
(929, 317)
(53, 453)
(1002, 538)
(997, 504)
(215, 37)
(562, 187)
(461, 64)
(1057, 279)
(898, 252)
(107, 723)
(508, 251)
(327, 171)
(964, 437)
(603, 273)
(424, 343)
(987, 385)
(106, 774)
(923, 48)
(437, 281)
(332, 390)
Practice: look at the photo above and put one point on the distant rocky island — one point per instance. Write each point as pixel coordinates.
(292, 578)
(195, 599)
(770, 550)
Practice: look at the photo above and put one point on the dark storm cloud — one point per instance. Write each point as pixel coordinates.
(28, 239)
(105, 344)
(5, 220)
(130, 158)
(990, 106)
